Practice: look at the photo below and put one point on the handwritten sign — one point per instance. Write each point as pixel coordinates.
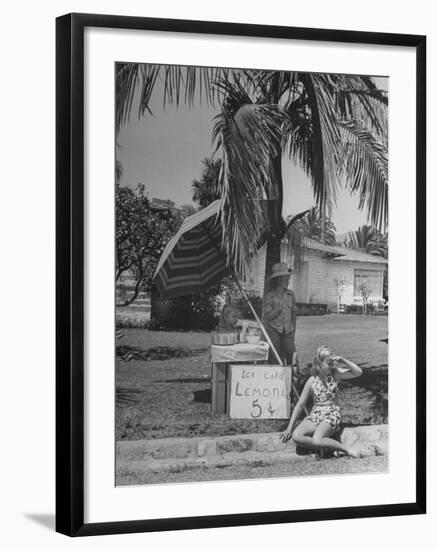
(260, 391)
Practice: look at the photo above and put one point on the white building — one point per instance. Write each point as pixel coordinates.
(321, 266)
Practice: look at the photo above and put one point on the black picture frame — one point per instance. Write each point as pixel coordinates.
(70, 273)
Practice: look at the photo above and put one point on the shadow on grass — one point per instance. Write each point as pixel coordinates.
(159, 353)
(202, 396)
(203, 380)
(127, 396)
(130, 396)
(373, 386)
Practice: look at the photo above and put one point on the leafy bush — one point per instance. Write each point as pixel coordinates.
(141, 235)
(193, 312)
(244, 309)
(302, 309)
(202, 312)
(385, 312)
(312, 309)
(131, 319)
(357, 309)
(354, 308)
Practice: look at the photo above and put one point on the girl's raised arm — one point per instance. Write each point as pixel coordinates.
(348, 370)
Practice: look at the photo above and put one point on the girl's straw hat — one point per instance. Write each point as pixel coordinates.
(280, 270)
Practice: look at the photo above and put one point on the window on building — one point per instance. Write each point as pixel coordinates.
(373, 279)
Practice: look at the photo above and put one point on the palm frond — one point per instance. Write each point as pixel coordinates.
(368, 239)
(126, 79)
(358, 98)
(136, 83)
(366, 170)
(291, 220)
(247, 136)
(300, 134)
(314, 140)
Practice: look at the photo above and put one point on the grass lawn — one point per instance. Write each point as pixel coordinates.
(163, 386)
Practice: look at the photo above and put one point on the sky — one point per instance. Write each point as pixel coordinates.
(164, 151)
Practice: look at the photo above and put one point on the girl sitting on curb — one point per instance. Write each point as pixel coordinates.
(316, 431)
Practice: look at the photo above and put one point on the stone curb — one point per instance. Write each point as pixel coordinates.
(179, 454)
(175, 465)
(198, 446)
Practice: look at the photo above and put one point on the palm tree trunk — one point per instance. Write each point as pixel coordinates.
(273, 256)
(276, 223)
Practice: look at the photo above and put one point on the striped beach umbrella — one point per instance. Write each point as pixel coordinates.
(193, 259)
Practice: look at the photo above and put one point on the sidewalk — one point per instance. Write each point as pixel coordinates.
(179, 454)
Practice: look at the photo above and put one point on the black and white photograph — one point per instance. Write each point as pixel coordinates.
(251, 274)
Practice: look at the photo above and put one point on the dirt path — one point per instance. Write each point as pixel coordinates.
(307, 466)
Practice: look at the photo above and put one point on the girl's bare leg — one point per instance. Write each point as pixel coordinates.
(322, 439)
(302, 435)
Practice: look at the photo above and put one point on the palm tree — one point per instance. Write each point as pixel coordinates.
(187, 210)
(319, 227)
(207, 188)
(308, 224)
(333, 126)
(369, 240)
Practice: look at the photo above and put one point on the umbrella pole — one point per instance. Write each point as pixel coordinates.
(264, 331)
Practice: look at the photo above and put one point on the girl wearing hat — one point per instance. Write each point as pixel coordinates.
(317, 430)
(279, 314)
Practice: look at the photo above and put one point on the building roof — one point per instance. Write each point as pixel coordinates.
(351, 255)
(321, 247)
(343, 253)
(163, 205)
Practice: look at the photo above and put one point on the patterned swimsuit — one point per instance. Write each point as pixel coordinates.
(320, 394)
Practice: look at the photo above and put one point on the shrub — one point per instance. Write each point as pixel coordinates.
(193, 312)
(302, 309)
(131, 319)
(244, 308)
(357, 309)
(354, 308)
(312, 309)
(202, 312)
